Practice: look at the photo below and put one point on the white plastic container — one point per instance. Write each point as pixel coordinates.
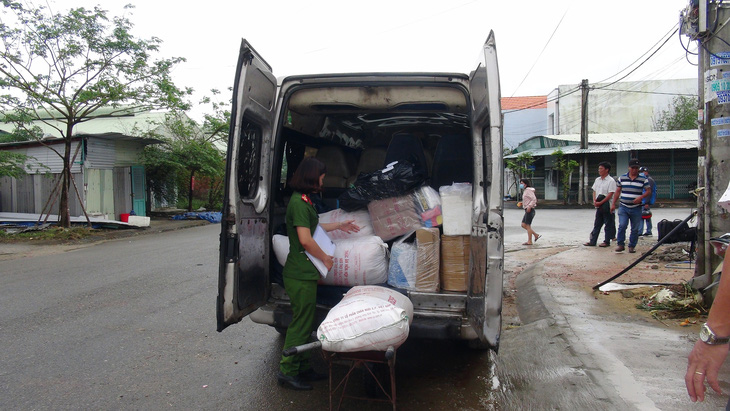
(456, 208)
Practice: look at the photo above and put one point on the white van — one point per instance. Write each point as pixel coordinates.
(454, 126)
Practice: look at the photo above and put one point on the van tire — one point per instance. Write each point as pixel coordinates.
(477, 344)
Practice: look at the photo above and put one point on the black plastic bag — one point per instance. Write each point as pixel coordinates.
(395, 181)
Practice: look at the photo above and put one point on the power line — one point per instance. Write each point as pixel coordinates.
(540, 55)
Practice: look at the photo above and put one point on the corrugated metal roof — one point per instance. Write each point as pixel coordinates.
(617, 142)
(114, 127)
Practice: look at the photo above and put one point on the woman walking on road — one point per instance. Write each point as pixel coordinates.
(529, 202)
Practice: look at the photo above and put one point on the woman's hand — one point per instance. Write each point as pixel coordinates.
(328, 262)
(348, 226)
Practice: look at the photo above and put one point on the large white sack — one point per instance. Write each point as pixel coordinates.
(369, 318)
(281, 247)
(359, 261)
(361, 218)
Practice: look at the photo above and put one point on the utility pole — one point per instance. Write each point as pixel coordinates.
(583, 170)
(705, 21)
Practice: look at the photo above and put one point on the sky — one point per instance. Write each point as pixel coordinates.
(540, 44)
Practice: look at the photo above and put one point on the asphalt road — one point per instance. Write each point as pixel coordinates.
(130, 324)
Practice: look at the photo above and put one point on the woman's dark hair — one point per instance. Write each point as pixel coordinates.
(605, 164)
(306, 178)
(526, 182)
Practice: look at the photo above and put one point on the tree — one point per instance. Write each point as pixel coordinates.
(189, 153)
(565, 167)
(520, 166)
(64, 67)
(681, 115)
(11, 164)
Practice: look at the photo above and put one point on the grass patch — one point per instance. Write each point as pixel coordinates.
(50, 234)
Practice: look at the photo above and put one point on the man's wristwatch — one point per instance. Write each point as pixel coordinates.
(709, 337)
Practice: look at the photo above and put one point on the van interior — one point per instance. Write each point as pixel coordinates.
(361, 129)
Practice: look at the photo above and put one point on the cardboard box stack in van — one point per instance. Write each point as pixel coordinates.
(428, 259)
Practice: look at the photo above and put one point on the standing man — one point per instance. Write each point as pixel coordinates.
(648, 202)
(631, 190)
(603, 190)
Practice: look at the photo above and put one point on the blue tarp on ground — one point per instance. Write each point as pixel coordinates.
(212, 216)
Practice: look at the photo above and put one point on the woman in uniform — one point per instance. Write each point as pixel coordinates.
(300, 275)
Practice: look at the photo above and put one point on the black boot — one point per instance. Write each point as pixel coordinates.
(292, 383)
(311, 375)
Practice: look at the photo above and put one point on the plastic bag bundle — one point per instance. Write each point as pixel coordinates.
(394, 217)
(403, 264)
(454, 262)
(428, 205)
(369, 318)
(456, 202)
(359, 261)
(396, 179)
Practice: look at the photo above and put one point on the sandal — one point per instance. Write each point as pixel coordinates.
(538, 237)
(526, 243)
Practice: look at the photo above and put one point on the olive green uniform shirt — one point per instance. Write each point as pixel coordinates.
(299, 213)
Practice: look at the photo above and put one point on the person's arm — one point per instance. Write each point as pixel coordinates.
(311, 246)
(705, 360)
(616, 196)
(348, 226)
(645, 194)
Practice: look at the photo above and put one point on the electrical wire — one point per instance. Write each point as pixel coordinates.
(540, 55)
(642, 63)
(674, 27)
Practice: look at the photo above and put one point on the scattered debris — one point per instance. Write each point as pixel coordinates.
(675, 301)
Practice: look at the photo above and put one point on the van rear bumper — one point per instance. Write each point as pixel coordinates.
(438, 327)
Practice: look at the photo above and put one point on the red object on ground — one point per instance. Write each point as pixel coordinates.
(124, 217)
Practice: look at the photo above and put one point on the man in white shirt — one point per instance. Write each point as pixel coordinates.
(603, 190)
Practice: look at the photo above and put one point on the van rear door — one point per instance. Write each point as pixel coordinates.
(484, 304)
(243, 273)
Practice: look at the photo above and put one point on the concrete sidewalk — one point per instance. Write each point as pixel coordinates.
(579, 353)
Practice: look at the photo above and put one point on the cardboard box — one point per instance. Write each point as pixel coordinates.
(454, 262)
(428, 259)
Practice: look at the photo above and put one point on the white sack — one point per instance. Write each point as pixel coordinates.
(281, 248)
(369, 318)
(361, 217)
(359, 261)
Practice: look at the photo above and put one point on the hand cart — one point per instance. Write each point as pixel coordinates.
(354, 360)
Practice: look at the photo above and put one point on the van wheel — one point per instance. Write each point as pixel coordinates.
(281, 330)
(477, 344)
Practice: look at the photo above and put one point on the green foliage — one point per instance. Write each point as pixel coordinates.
(565, 167)
(61, 69)
(681, 115)
(11, 164)
(186, 157)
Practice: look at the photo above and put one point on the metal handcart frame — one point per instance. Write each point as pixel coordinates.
(355, 360)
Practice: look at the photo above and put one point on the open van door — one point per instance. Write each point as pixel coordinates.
(243, 276)
(484, 303)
